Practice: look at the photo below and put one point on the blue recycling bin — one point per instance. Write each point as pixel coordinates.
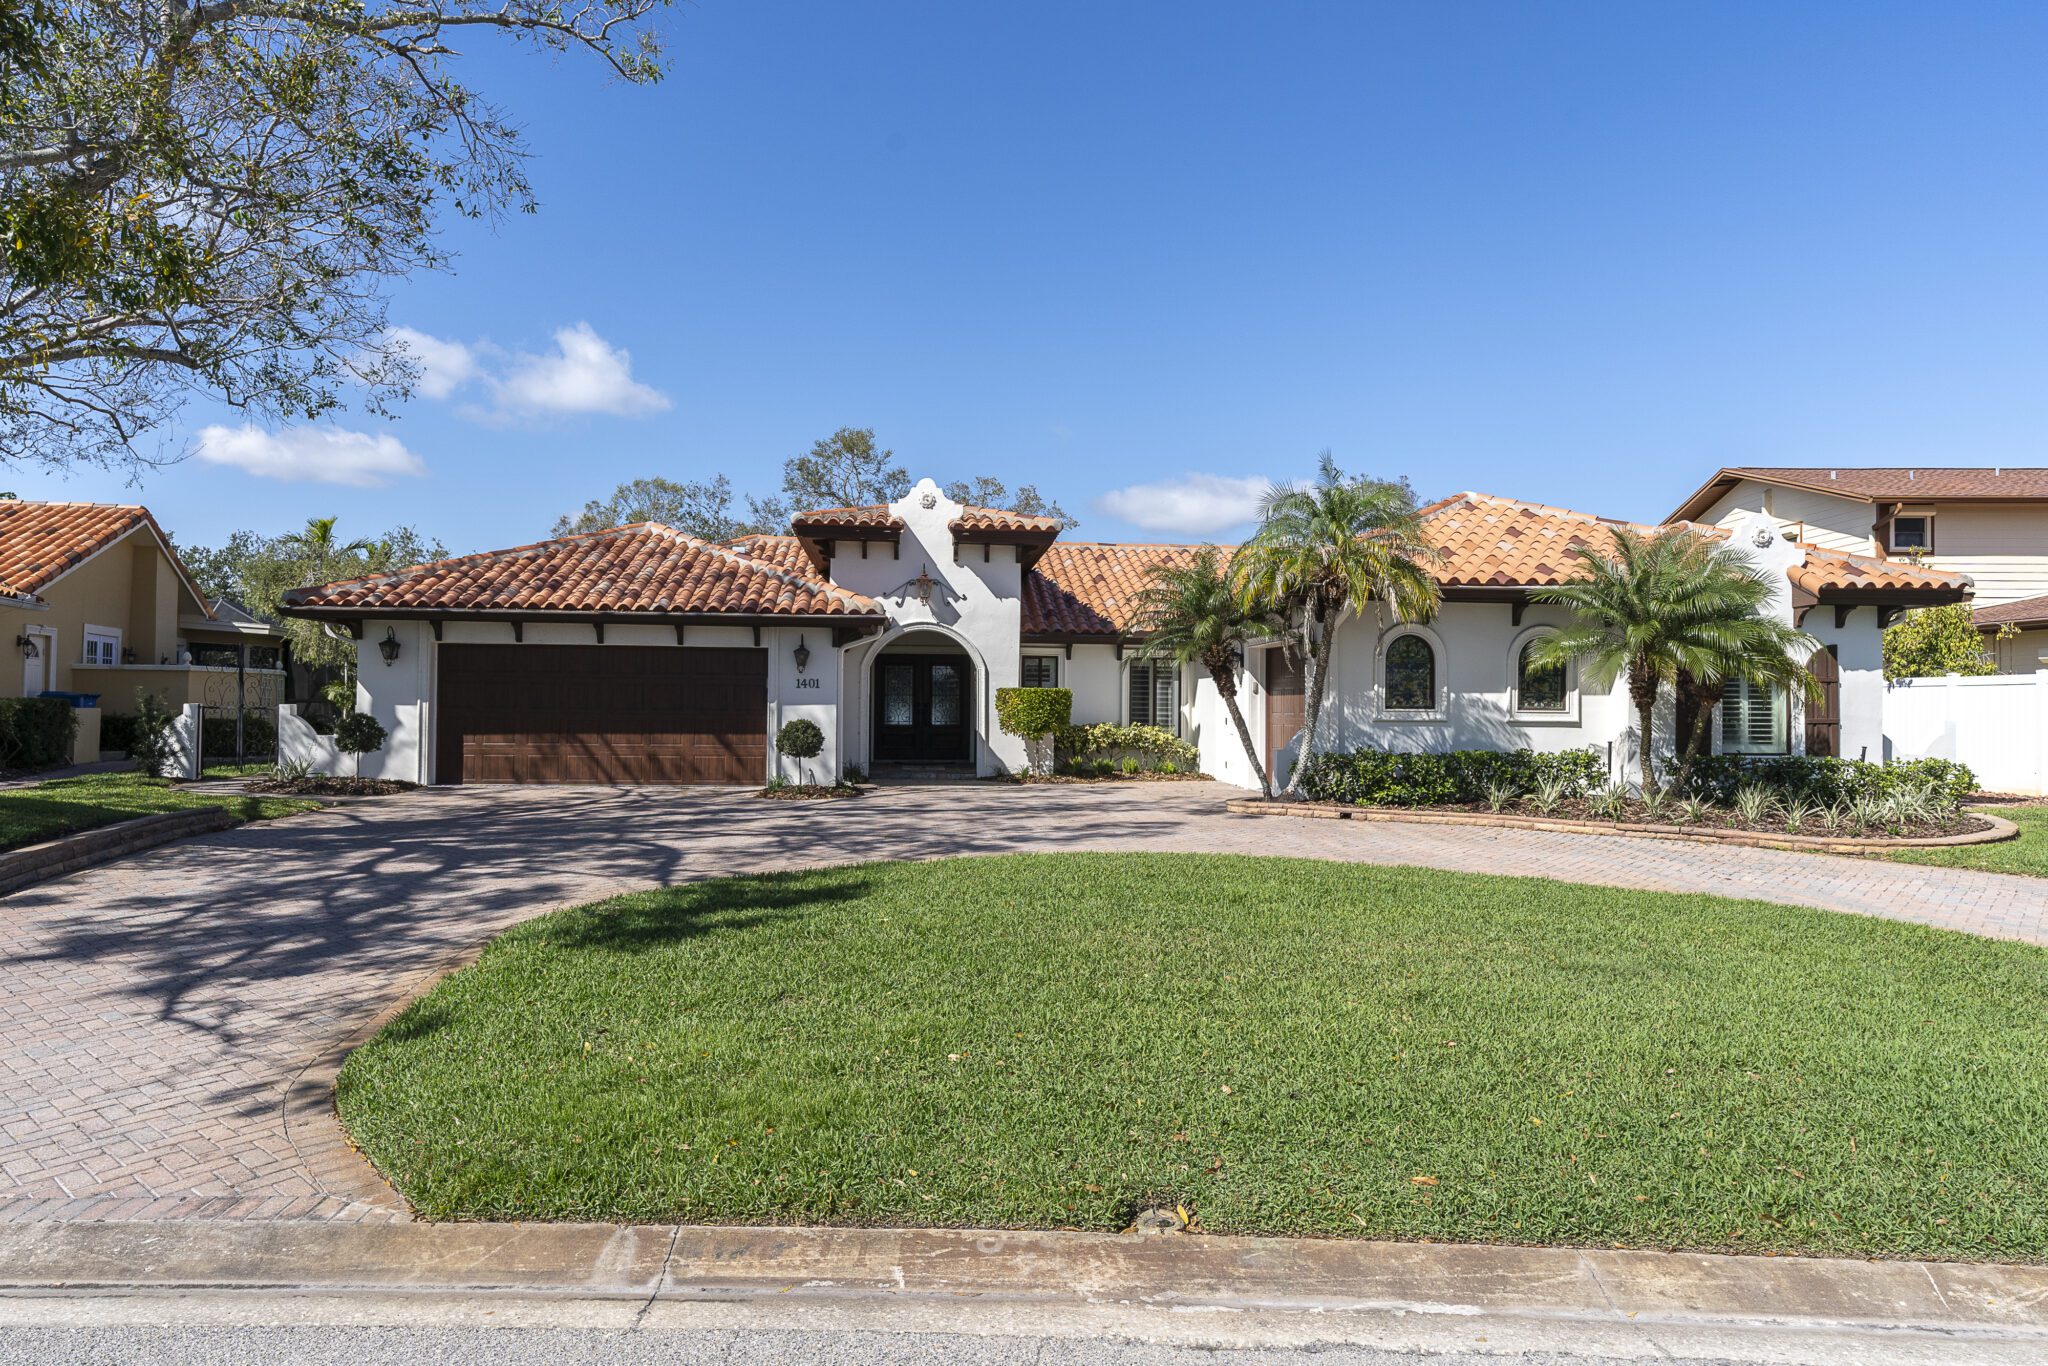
(76, 699)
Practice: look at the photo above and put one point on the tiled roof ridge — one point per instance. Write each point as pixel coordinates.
(1498, 500)
(845, 595)
(793, 584)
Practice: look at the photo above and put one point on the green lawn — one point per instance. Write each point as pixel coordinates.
(30, 815)
(1283, 1046)
(2027, 854)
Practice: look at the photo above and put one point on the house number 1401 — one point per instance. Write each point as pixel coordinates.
(810, 683)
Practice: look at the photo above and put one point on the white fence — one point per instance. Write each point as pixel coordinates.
(297, 741)
(1998, 725)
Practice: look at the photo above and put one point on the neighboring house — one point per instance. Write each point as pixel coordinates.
(641, 654)
(1988, 523)
(94, 600)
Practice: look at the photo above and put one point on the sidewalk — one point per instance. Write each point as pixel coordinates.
(1155, 1288)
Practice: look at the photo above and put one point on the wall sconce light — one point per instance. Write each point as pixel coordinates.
(925, 584)
(388, 647)
(802, 653)
(27, 646)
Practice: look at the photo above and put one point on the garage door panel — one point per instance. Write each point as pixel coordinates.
(601, 714)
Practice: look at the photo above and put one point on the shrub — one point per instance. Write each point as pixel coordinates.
(1370, 777)
(800, 739)
(259, 734)
(117, 730)
(36, 732)
(1131, 765)
(1936, 641)
(1150, 745)
(149, 745)
(1827, 781)
(1031, 712)
(359, 733)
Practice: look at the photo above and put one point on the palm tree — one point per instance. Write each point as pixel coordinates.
(1328, 548)
(1190, 615)
(321, 548)
(1668, 607)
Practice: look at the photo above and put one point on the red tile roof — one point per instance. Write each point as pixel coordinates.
(875, 517)
(975, 521)
(1082, 588)
(1833, 570)
(2025, 612)
(1880, 483)
(42, 542)
(644, 567)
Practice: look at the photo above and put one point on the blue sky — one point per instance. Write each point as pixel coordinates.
(1570, 252)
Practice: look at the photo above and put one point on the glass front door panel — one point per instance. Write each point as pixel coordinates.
(945, 695)
(899, 692)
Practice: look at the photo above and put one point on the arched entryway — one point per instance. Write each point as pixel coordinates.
(924, 702)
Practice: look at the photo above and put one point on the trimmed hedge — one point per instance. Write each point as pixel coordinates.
(1372, 777)
(1032, 712)
(1087, 747)
(36, 732)
(1822, 779)
(217, 735)
(117, 730)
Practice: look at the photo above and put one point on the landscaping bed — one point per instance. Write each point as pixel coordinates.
(324, 785)
(1664, 818)
(1116, 776)
(1282, 1046)
(809, 792)
(62, 806)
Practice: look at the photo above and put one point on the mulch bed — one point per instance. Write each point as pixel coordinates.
(811, 792)
(1715, 818)
(321, 785)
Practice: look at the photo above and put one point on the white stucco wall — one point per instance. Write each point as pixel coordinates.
(978, 604)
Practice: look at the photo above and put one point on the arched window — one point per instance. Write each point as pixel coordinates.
(1411, 675)
(1538, 686)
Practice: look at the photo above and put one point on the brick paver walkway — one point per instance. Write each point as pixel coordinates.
(153, 1012)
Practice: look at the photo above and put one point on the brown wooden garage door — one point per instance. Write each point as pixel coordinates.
(601, 714)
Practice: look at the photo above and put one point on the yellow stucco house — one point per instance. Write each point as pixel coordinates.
(94, 600)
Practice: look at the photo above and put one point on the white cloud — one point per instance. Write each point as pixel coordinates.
(310, 455)
(1193, 505)
(444, 366)
(584, 374)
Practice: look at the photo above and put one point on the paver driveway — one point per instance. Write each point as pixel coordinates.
(153, 1013)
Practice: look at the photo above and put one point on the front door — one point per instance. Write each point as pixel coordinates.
(35, 668)
(921, 709)
(1286, 708)
(1824, 717)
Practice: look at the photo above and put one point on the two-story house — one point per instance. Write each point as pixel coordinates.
(1989, 523)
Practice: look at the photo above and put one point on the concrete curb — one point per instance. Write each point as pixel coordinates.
(21, 868)
(691, 1263)
(2001, 828)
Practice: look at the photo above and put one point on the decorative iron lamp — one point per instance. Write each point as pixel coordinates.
(27, 646)
(388, 647)
(802, 654)
(925, 584)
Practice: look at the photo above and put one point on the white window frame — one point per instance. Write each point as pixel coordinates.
(1899, 545)
(1781, 721)
(1439, 708)
(1051, 659)
(1569, 715)
(111, 635)
(1156, 666)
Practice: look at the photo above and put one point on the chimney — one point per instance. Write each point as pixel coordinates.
(1831, 474)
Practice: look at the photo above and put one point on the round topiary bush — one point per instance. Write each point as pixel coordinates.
(359, 733)
(800, 739)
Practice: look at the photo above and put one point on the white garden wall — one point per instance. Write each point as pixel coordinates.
(1998, 725)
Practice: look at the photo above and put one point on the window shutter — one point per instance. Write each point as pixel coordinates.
(1141, 694)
